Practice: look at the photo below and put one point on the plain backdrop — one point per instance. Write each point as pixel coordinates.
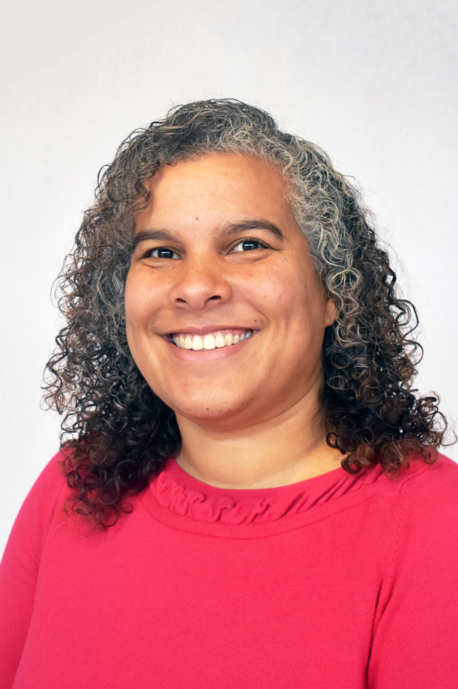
(373, 83)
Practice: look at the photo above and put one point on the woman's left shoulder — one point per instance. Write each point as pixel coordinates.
(415, 631)
(429, 493)
(438, 476)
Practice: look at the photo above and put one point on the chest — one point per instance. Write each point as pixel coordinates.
(151, 606)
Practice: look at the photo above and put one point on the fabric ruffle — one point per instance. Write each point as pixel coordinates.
(186, 496)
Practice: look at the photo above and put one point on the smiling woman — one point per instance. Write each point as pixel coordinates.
(247, 479)
(223, 274)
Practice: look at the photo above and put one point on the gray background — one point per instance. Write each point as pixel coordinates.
(373, 83)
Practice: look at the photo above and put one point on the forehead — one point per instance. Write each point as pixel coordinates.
(217, 187)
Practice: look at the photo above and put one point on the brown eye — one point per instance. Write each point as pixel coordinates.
(248, 245)
(162, 252)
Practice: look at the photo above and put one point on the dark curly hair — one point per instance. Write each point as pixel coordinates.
(117, 433)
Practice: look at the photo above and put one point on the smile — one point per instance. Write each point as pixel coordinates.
(215, 340)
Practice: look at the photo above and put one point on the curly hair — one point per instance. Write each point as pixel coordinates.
(116, 433)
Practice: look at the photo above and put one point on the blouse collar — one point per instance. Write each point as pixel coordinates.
(186, 496)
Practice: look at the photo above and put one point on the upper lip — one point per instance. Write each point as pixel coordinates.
(192, 330)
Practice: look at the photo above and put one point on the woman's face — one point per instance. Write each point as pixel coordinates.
(220, 257)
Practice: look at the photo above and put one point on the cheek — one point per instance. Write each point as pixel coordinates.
(274, 286)
(138, 309)
(299, 301)
(140, 301)
(282, 294)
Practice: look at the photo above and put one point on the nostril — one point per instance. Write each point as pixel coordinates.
(198, 294)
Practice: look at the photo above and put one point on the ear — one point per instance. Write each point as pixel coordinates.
(330, 313)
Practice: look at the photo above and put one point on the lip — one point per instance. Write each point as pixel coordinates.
(205, 330)
(205, 356)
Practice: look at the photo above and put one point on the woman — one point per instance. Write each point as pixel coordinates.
(250, 492)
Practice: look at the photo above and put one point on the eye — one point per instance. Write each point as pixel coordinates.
(247, 245)
(161, 252)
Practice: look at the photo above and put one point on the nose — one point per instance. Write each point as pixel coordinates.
(200, 283)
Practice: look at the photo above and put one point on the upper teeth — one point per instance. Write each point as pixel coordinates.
(209, 341)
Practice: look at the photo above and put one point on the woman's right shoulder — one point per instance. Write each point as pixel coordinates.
(42, 511)
(50, 486)
(45, 503)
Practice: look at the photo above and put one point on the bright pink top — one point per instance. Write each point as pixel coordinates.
(338, 582)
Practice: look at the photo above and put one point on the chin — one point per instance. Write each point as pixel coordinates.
(206, 413)
(212, 412)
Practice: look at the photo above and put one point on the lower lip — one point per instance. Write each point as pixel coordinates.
(205, 355)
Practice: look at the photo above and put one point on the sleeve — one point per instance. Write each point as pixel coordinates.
(415, 642)
(20, 565)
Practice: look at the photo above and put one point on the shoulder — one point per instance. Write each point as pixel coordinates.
(22, 559)
(431, 487)
(415, 630)
(44, 503)
(50, 486)
(423, 551)
(427, 520)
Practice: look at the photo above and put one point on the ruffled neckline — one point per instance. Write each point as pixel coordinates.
(190, 498)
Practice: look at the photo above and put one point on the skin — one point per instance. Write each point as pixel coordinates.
(249, 414)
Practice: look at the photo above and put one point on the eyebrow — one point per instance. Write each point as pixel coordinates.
(226, 231)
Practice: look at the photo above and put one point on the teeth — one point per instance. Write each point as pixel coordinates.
(209, 341)
(219, 340)
(197, 342)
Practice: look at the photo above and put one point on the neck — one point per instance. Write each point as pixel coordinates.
(287, 449)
